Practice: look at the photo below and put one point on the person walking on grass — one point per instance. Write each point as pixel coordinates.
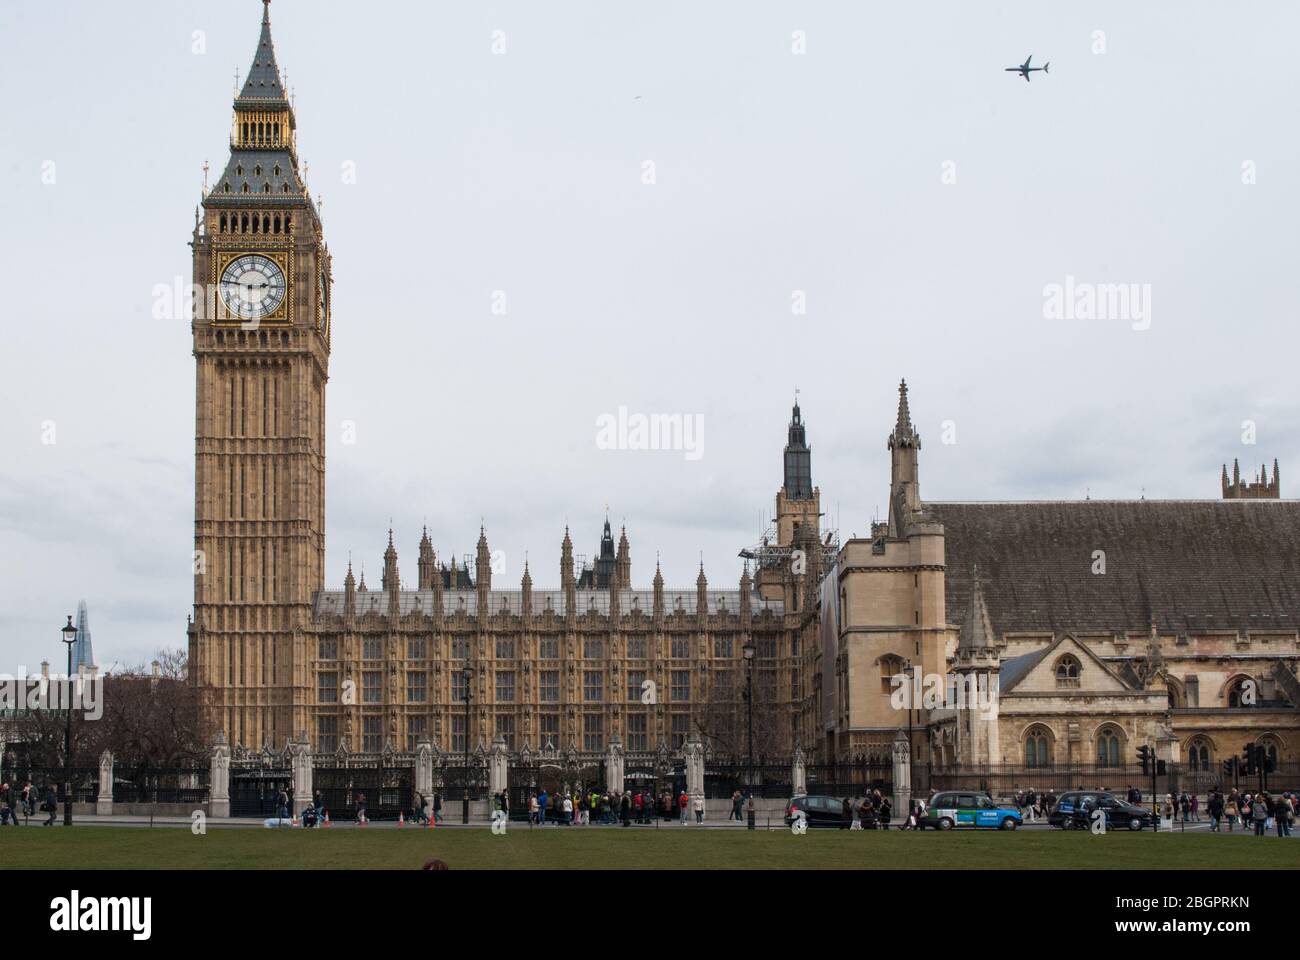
(1259, 813)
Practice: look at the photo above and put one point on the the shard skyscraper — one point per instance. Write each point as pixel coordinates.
(81, 652)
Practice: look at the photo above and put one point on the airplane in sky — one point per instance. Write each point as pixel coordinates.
(1025, 69)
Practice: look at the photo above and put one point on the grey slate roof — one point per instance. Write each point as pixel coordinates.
(1187, 566)
(248, 161)
(263, 82)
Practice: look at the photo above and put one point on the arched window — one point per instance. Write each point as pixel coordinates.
(890, 667)
(1198, 754)
(1038, 748)
(1243, 692)
(245, 189)
(1067, 671)
(1108, 743)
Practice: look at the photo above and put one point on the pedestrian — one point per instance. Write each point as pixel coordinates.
(884, 812)
(1214, 805)
(1285, 814)
(735, 805)
(1196, 807)
(361, 808)
(1230, 809)
(542, 800)
(437, 807)
(1259, 813)
(682, 803)
(51, 804)
(846, 814)
(625, 811)
(532, 809)
(568, 810)
(28, 801)
(699, 808)
(282, 805)
(319, 804)
(417, 807)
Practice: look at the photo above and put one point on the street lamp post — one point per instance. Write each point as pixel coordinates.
(69, 637)
(748, 651)
(468, 676)
(909, 669)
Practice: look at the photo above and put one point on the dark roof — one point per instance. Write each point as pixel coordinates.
(249, 161)
(1015, 669)
(1186, 566)
(263, 82)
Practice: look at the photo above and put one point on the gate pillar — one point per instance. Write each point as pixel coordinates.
(614, 782)
(799, 773)
(902, 754)
(694, 751)
(498, 766)
(300, 752)
(424, 768)
(219, 778)
(104, 803)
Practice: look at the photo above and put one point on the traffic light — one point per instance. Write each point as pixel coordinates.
(1266, 760)
(1144, 758)
(1227, 768)
(1248, 758)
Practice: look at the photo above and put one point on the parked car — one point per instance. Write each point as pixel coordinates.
(966, 808)
(1073, 811)
(821, 811)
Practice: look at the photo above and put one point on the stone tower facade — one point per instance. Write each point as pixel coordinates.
(261, 345)
(1260, 489)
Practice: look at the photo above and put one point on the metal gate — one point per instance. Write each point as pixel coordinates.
(385, 791)
(254, 792)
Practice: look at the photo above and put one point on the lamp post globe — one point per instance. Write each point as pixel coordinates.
(69, 637)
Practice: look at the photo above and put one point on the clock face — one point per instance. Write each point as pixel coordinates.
(324, 304)
(252, 287)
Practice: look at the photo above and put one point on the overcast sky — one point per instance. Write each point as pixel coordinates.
(779, 175)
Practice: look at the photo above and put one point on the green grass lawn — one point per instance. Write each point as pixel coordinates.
(606, 848)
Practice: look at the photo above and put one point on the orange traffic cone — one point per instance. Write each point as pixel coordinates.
(401, 818)
(362, 821)
(327, 818)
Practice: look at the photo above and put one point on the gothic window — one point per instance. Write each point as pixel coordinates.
(548, 686)
(327, 734)
(239, 171)
(592, 648)
(244, 189)
(372, 648)
(681, 686)
(458, 734)
(593, 686)
(767, 647)
(505, 648)
(636, 648)
(681, 647)
(1067, 671)
(327, 687)
(417, 687)
(890, 667)
(634, 680)
(637, 738)
(681, 728)
(277, 170)
(548, 729)
(593, 732)
(372, 686)
(372, 729)
(722, 646)
(548, 647)
(1198, 754)
(329, 648)
(266, 188)
(416, 648)
(1038, 751)
(1243, 692)
(505, 686)
(1108, 744)
(506, 729)
(458, 687)
(460, 647)
(416, 727)
(285, 189)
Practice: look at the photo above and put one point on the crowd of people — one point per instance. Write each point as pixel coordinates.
(583, 807)
(20, 802)
(1260, 811)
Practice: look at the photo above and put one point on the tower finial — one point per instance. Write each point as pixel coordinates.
(266, 12)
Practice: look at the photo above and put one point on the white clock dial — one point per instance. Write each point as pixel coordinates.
(252, 287)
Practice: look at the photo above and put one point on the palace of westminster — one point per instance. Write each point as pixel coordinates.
(1106, 624)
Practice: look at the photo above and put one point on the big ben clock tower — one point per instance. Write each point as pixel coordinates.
(261, 342)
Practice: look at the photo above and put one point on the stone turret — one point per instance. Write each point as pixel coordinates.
(1260, 489)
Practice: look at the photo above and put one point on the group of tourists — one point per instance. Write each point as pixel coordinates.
(1259, 811)
(427, 810)
(872, 812)
(582, 807)
(1034, 805)
(16, 802)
